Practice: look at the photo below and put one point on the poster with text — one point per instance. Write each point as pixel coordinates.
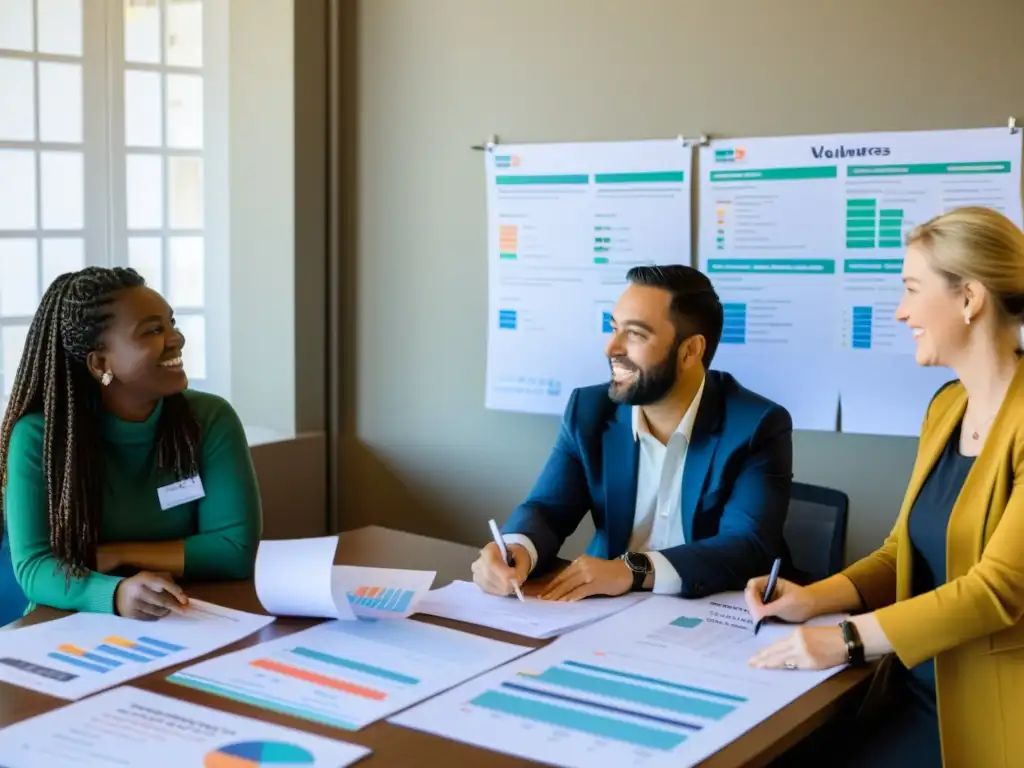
(803, 237)
(566, 222)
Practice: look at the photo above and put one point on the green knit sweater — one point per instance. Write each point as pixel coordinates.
(221, 530)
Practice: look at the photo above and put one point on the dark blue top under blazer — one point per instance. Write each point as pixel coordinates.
(735, 495)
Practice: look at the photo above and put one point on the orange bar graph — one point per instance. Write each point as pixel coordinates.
(74, 650)
(368, 591)
(119, 641)
(508, 238)
(317, 679)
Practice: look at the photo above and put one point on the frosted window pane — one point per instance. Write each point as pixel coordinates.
(185, 191)
(17, 97)
(185, 272)
(19, 278)
(60, 102)
(194, 354)
(145, 256)
(185, 33)
(12, 339)
(142, 31)
(143, 109)
(18, 190)
(60, 27)
(185, 111)
(63, 190)
(60, 255)
(16, 25)
(145, 183)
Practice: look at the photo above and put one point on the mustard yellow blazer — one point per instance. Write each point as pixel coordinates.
(971, 625)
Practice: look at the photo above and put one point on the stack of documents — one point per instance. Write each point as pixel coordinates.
(541, 619)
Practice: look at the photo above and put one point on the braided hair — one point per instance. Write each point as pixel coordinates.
(53, 378)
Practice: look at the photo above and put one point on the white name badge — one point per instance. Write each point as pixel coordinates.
(182, 492)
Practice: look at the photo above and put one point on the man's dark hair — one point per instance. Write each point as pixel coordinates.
(695, 305)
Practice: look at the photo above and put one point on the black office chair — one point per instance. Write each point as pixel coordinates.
(815, 531)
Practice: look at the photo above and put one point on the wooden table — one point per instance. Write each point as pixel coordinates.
(392, 745)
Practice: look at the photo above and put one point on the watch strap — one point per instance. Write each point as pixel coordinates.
(854, 645)
(640, 565)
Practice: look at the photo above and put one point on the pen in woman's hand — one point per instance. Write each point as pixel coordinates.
(769, 590)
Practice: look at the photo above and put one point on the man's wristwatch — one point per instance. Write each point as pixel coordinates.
(640, 565)
(854, 646)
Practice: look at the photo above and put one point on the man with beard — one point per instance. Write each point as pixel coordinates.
(686, 473)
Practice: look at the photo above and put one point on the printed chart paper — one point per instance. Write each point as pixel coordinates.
(83, 653)
(803, 237)
(348, 674)
(132, 728)
(664, 683)
(565, 224)
(297, 577)
(536, 618)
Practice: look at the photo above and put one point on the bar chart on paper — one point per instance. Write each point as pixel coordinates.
(383, 599)
(580, 709)
(379, 593)
(348, 674)
(657, 685)
(114, 652)
(87, 652)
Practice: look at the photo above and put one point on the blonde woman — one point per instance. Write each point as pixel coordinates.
(945, 593)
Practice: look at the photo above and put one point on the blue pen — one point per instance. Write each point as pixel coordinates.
(769, 590)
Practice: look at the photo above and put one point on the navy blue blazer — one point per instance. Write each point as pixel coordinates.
(735, 495)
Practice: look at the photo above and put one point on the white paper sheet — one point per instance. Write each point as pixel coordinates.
(133, 728)
(297, 577)
(293, 578)
(645, 687)
(803, 237)
(347, 674)
(465, 601)
(83, 653)
(565, 222)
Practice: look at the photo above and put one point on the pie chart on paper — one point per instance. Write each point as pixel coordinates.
(258, 754)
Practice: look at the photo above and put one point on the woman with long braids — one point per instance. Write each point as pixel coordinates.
(111, 465)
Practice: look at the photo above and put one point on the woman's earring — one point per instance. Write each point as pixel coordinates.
(967, 318)
(107, 378)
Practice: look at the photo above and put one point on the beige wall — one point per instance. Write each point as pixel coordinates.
(435, 76)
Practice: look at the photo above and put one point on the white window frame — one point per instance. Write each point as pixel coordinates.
(105, 154)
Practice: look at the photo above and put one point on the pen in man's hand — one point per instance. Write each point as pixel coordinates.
(769, 590)
(509, 560)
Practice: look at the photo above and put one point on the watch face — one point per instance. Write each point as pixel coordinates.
(638, 563)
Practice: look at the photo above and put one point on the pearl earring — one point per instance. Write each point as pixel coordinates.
(107, 378)
(967, 318)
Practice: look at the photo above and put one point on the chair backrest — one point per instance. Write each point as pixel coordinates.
(12, 599)
(815, 531)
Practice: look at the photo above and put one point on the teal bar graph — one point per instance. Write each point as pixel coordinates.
(356, 666)
(638, 177)
(655, 681)
(577, 720)
(637, 694)
(558, 178)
